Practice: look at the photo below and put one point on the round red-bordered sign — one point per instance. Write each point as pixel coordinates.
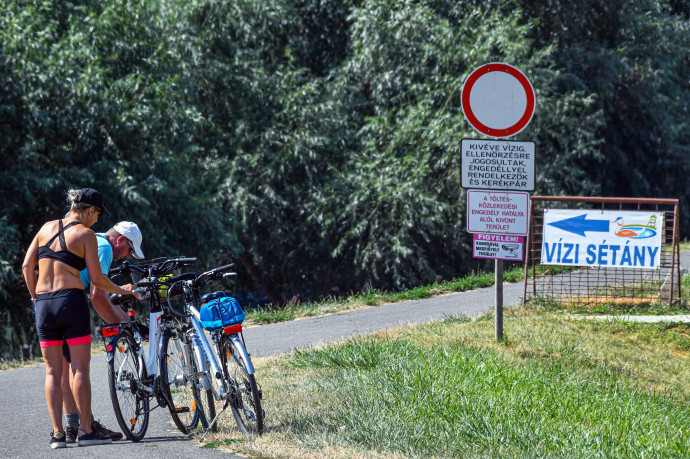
(498, 100)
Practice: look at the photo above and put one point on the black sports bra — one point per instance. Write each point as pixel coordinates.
(63, 255)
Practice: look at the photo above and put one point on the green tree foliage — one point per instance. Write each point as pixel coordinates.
(316, 142)
(630, 61)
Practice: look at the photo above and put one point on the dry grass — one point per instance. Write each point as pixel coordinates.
(288, 395)
(615, 300)
(651, 358)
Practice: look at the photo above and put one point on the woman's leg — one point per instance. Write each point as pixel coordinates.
(68, 403)
(52, 355)
(81, 385)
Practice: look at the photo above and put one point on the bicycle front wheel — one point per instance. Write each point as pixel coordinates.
(210, 406)
(245, 396)
(178, 384)
(131, 405)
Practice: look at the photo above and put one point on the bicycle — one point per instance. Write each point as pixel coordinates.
(167, 374)
(230, 378)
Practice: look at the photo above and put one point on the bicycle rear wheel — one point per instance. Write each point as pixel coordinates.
(176, 368)
(245, 396)
(130, 404)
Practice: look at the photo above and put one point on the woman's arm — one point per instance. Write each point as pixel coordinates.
(29, 265)
(97, 277)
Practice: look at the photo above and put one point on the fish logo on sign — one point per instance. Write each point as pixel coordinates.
(636, 231)
(580, 225)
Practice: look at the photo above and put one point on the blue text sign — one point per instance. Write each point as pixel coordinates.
(620, 239)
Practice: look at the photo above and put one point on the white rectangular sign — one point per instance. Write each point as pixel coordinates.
(611, 238)
(497, 246)
(497, 164)
(498, 212)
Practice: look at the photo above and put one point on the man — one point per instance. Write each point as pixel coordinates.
(121, 241)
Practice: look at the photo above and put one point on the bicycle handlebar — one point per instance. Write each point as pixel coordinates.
(178, 261)
(194, 280)
(212, 274)
(144, 285)
(171, 308)
(223, 268)
(153, 269)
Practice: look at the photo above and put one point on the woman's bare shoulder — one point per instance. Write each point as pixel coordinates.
(48, 227)
(84, 233)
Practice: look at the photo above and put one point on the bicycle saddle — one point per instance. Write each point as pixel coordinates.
(212, 296)
(118, 299)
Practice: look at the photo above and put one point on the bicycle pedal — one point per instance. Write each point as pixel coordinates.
(184, 409)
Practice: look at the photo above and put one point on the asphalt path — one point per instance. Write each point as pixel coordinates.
(26, 421)
(27, 424)
(24, 415)
(284, 337)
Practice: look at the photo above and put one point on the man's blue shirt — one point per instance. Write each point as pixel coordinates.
(105, 257)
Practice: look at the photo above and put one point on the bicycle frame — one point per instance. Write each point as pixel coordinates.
(151, 365)
(208, 353)
(199, 337)
(154, 344)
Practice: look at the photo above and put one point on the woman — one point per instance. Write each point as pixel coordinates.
(62, 248)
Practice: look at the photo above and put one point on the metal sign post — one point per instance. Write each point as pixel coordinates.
(498, 101)
(499, 300)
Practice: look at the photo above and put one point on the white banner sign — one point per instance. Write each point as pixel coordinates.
(610, 238)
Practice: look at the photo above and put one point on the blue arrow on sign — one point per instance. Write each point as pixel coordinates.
(578, 225)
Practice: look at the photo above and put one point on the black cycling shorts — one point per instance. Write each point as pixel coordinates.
(63, 315)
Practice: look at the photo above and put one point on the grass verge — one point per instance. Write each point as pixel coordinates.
(634, 307)
(97, 347)
(555, 387)
(377, 298)
(11, 364)
(684, 245)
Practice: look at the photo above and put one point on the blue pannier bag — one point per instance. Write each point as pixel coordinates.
(221, 312)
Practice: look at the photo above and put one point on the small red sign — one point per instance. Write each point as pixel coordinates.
(497, 246)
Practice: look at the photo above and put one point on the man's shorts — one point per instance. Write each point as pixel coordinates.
(63, 316)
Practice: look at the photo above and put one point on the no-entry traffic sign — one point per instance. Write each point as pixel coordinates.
(498, 100)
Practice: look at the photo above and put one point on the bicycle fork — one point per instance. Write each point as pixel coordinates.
(244, 355)
(202, 349)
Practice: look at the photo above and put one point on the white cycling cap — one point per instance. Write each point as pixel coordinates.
(133, 234)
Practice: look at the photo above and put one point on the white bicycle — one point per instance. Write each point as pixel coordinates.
(168, 372)
(225, 369)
